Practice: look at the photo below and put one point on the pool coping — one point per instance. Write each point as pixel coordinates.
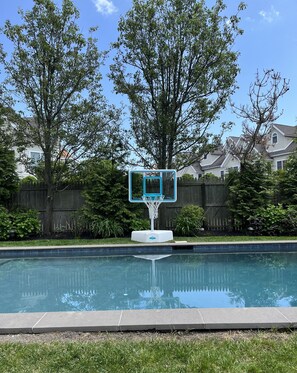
(202, 319)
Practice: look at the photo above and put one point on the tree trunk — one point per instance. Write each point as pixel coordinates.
(49, 207)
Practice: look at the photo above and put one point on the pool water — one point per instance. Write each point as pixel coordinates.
(148, 281)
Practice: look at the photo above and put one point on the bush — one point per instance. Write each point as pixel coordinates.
(106, 208)
(249, 189)
(5, 224)
(8, 176)
(189, 221)
(187, 177)
(275, 220)
(18, 224)
(209, 177)
(106, 228)
(26, 224)
(140, 224)
(28, 180)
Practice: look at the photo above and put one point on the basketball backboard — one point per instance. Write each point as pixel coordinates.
(152, 185)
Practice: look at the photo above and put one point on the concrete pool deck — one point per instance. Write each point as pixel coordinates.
(202, 319)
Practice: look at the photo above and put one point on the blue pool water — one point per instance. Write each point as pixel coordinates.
(148, 281)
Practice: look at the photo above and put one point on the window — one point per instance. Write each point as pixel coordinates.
(222, 174)
(280, 165)
(35, 157)
(274, 138)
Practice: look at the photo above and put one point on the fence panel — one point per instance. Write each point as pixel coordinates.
(211, 195)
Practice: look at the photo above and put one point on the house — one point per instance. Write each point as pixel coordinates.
(32, 153)
(279, 145)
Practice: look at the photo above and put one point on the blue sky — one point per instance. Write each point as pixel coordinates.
(269, 41)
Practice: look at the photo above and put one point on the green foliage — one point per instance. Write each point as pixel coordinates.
(8, 176)
(286, 187)
(25, 224)
(183, 67)
(274, 220)
(55, 71)
(106, 207)
(139, 224)
(5, 224)
(18, 224)
(189, 221)
(209, 177)
(106, 228)
(249, 189)
(28, 180)
(187, 177)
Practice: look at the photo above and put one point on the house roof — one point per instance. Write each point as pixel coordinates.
(289, 149)
(217, 163)
(288, 131)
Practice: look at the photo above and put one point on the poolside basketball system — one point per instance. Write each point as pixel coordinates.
(152, 187)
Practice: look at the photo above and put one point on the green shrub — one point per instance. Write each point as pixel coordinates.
(275, 220)
(5, 224)
(26, 224)
(8, 175)
(28, 180)
(18, 224)
(187, 177)
(140, 224)
(106, 228)
(209, 177)
(189, 220)
(106, 205)
(249, 189)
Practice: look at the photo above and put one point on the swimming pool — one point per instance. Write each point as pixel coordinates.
(160, 281)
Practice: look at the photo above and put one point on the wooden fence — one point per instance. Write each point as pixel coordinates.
(211, 195)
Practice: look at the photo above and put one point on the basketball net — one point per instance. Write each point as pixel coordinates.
(153, 203)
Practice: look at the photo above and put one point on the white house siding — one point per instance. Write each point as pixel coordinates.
(282, 141)
(21, 170)
(189, 170)
(229, 162)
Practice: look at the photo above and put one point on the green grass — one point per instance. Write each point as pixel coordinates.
(126, 240)
(259, 353)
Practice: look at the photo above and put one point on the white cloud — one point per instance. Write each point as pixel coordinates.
(270, 15)
(105, 6)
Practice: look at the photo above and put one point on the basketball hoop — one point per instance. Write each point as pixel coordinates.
(152, 187)
(153, 203)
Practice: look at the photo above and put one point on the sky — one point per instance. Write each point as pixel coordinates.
(269, 41)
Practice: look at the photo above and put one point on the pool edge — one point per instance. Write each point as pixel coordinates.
(207, 319)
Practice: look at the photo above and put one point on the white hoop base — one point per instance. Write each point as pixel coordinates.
(152, 236)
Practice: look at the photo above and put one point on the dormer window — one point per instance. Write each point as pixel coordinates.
(274, 138)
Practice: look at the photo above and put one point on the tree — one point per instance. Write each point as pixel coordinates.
(249, 190)
(175, 63)
(264, 95)
(106, 207)
(8, 176)
(55, 71)
(286, 187)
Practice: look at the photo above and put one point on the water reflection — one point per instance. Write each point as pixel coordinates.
(177, 281)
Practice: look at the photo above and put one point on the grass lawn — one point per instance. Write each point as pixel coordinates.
(126, 240)
(258, 352)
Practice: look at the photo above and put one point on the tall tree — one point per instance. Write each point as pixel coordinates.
(259, 114)
(54, 71)
(175, 63)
